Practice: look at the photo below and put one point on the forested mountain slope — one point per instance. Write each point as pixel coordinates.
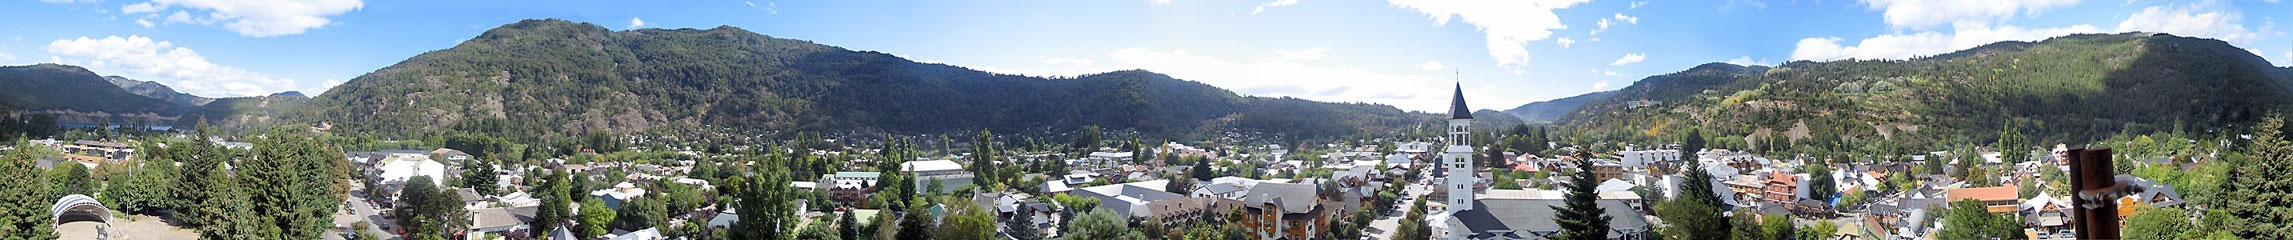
(2066, 89)
(557, 78)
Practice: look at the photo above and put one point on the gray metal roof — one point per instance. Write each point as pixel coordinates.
(1291, 197)
(1510, 216)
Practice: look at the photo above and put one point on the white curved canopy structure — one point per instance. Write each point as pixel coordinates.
(76, 207)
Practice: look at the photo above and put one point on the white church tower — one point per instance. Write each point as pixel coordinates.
(1459, 155)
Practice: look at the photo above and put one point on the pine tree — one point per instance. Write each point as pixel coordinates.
(23, 214)
(847, 227)
(1692, 144)
(231, 215)
(1021, 226)
(1697, 206)
(1580, 217)
(2259, 191)
(291, 181)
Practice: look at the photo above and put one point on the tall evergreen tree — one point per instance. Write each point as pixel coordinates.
(1692, 144)
(202, 162)
(2259, 191)
(23, 214)
(478, 174)
(847, 227)
(1580, 217)
(232, 215)
(1697, 205)
(291, 181)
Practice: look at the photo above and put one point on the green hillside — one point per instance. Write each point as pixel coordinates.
(558, 78)
(2067, 89)
(158, 91)
(62, 88)
(1549, 110)
(243, 113)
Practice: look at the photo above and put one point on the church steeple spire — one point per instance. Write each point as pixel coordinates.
(1457, 109)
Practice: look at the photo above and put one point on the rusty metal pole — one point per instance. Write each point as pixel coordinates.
(2093, 178)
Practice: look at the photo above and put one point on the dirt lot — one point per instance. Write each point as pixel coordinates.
(141, 228)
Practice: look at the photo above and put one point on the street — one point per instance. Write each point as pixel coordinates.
(359, 210)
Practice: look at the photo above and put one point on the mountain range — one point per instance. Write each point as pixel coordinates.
(550, 78)
(2071, 89)
(560, 78)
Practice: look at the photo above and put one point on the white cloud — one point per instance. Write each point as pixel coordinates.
(1602, 85)
(1608, 73)
(139, 8)
(1508, 26)
(636, 23)
(1302, 54)
(2190, 21)
(181, 17)
(1603, 26)
(1638, 4)
(163, 61)
(1275, 3)
(1628, 19)
(1629, 58)
(258, 18)
(1160, 1)
(1909, 45)
(1564, 41)
(68, 1)
(1432, 66)
(145, 23)
(1747, 61)
(323, 87)
(768, 7)
(1925, 14)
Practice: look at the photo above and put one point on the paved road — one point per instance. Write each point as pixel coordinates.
(360, 210)
(1383, 227)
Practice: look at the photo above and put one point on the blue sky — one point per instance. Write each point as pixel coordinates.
(1404, 53)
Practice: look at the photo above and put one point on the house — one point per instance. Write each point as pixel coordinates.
(1998, 199)
(1285, 211)
(470, 198)
(1231, 188)
(500, 222)
(1605, 169)
(1079, 177)
(2151, 192)
(393, 172)
(1779, 188)
(2047, 213)
(1129, 199)
(620, 193)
